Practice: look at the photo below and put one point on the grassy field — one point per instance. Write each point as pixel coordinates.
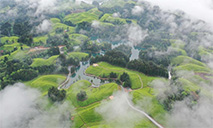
(41, 62)
(106, 69)
(89, 115)
(146, 100)
(181, 60)
(77, 39)
(190, 64)
(18, 54)
(89, 16)
(55, 20)
(78, 55)
(94, 94)
(113, 3)
(10, 47)
(43, 83)
(194, 67)
(9, 39)
(64, 26)
(114, 20)
(41, 38)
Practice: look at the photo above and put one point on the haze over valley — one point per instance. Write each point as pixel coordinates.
(106, 64)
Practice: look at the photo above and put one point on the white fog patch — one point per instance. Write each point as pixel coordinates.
(199, 116)
(45, 5)
(118, 112)
(17, 104)
(137, 10)
(22, 106)
(136, 34)
(200, 9)
(45, 26)
(96, 24)
(116, 14)
(186, 113)
(159, 88)
(86, 1)
(41, 6)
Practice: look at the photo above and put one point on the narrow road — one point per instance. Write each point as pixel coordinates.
(142, 112)
(67, 79)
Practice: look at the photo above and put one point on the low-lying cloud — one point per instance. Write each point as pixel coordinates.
(23, 107)
(136, 34)
(199, 9)
(118, 113)
(199, 116)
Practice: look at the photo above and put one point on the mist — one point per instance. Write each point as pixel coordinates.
(186, 113)
(118, 113)
(22, 106)
(199, 9)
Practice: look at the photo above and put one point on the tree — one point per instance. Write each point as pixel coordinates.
(127, 83)
(26, 39)
(24, 74)
(124, 77)
(113, 75)
(81, 96)
(95, 3)
(56, 95)
(84, 26)
(6, 29)
(53, 51)
(5, 59)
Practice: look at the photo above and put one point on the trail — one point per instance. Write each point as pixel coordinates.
(142, 112)
(67, 79)
(136, 109)
(127, 100)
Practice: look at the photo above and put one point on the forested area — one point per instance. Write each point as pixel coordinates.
(118, 58)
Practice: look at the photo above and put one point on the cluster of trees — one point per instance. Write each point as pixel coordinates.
(24, 74)
(118, 58)
(45, 69)
(15, 70)
(148, 68)
(82, 95)
(94, 47)
(5, 52)
(174, 93)
(113, 57)
(56, 95)
(20, 27)
(113, 75)
(89, 46)
(66, 61)
(125, 49)
(53, 51)
(126, 80)
(56, 40)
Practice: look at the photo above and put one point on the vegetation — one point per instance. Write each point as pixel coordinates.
(86, 32)
(93, 94)
(104, 69)
(45, 82)
(42, 62)
(79, 55)
(82, 95)
(126, 79)
(56, 95)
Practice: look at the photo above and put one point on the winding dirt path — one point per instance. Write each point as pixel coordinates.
(142, 112)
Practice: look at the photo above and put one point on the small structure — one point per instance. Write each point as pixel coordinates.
(72, 118)
(111, 97)
(95, 65)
